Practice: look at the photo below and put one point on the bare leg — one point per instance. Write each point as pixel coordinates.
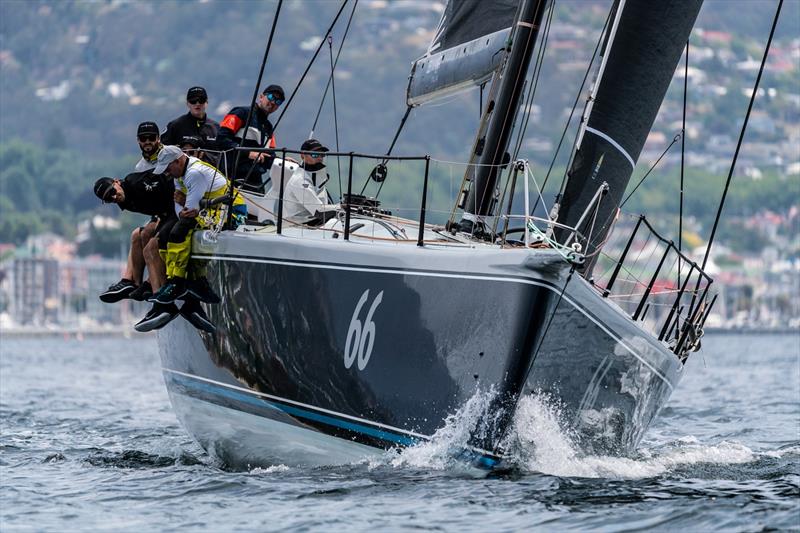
(147, 232)
(155, 265)
(135, 265)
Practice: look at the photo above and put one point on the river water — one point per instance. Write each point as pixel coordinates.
(88, 441)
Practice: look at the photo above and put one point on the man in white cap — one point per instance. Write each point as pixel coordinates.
(201, 183)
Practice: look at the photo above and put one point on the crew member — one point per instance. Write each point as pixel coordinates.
(250, 165)
(149, 143)
(201, 183)
(149, 194)
(305, 198)
(194, 123)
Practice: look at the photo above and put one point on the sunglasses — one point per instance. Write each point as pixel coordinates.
(195, 101)
(274, 99)
(317, 156)
(148, 138)
(110, 196)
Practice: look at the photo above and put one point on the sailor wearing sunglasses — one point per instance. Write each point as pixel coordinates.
(252, 165)
(195, 123)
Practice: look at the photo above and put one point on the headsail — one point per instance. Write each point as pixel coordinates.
(645, 45)
(470, 43)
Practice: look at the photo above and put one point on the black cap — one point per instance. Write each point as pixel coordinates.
(193, 140)
(196, 92)
(146, 128)
(313, 145)
(277, 90)
(102, 186)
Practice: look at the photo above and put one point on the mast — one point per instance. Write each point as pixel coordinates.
(645, 44)
(490, 151)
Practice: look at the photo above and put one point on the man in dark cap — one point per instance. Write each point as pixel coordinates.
(149, 194)
(194, 123)
(232, 129)
(306, 200)
(149, 143)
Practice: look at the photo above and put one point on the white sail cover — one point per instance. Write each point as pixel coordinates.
(469, 44)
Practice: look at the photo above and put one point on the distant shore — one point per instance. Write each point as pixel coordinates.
(128, 332)
(71, 332)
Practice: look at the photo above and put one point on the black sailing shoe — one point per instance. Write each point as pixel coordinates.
(170, 292)
(142, 292)
(193, 312)
(201, 289)
(157, 317)
(118, 291)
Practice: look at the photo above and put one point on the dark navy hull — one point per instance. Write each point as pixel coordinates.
(327, 351)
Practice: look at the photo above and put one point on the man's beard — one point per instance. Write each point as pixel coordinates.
(313, 167)
(148, 152)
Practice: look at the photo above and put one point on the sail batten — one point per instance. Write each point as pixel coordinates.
(470, 43)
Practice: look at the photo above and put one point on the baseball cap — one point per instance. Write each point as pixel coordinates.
(313, 145)
(167, 155)
(277, 90)
(146, 128)
(196, 92)
(102, 187)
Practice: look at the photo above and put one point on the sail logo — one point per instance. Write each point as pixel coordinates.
(361, 336)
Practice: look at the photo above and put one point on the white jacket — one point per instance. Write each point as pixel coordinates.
(304, 193)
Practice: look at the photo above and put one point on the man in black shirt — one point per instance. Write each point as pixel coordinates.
(194, 123)
(149, 194)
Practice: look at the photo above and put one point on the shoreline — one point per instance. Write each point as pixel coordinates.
(72, 332)
(128, 332)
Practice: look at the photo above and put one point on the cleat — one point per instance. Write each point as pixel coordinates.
(171, 291)
(193, 312)
(118, 291)
(142, 292)
(201, 289)
(157, 317)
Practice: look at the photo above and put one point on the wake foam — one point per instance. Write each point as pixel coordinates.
(540, 442)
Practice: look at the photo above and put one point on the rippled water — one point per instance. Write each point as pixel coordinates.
(88, 441)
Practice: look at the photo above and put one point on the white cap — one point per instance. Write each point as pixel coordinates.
(167, 155)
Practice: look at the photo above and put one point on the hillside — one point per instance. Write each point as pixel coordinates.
(78, 76)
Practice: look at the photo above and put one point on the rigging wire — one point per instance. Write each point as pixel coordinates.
(336, 62)
(335, 115)
(389, 151)
(574, 106)
(253, 104)
(683, 157)
(741, 134)
(654, 165)
(308, 67)
(534, 81)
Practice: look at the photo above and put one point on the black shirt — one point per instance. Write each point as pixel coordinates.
(186, 125)
(149, 194)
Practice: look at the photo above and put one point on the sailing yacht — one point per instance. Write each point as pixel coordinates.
(344, 340)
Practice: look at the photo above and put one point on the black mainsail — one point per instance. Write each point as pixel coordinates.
(469, 45)
(644, 46)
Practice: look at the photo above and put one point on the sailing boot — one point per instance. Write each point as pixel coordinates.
(201, 289)
(142, 292)
(157, 317)
(193, 312)
(173, 289)
(118, 291)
